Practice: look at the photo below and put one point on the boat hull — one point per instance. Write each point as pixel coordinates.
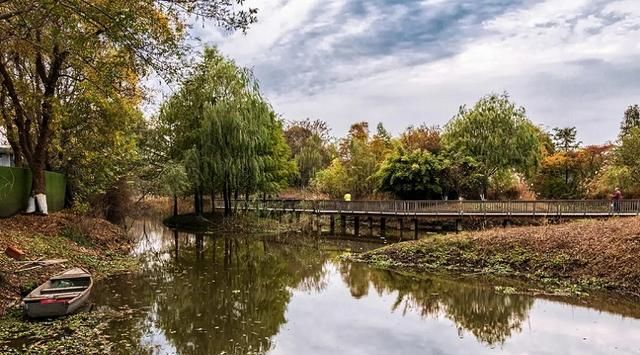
(49, 301)
(39, 310)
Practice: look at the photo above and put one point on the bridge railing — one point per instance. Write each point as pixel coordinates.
(435, 207)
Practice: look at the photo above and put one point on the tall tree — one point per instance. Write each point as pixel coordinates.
(631, 119)
(628, 152)
(50, 47)
(566, 142)
(359, 157)
(233, 141)
(382, 133)
(565, 139)
(569, 175)
(412, 175)
(174, 182)
(422, 137)
(381, 143)
(497, 134)
(311, 148)
(333, 180)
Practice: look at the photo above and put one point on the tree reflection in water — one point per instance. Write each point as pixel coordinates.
(491, 317)
(211, 295)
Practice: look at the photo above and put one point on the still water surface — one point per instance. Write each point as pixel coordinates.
(290, 296)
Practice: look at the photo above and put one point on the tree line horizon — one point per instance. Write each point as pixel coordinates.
(478, 154)
(71, 91)
(223, 139)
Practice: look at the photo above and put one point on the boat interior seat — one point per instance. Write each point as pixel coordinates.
(63, 289)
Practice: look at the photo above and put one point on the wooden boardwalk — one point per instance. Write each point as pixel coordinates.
(456, 209)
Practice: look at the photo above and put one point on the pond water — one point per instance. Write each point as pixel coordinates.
(289, 295)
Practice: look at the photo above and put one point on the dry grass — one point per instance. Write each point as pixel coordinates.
(91, 243)
(592, 253)
(158, 205)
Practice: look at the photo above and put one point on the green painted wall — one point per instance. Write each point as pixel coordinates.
(15, 188)
(55, 190)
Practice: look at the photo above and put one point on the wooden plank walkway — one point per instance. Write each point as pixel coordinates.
(540, 208)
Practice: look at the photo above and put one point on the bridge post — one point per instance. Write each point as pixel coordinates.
(370, 222)
(383, 226)
(315, 223)
(401, 226)
(332, 224)
(343, 224)
(415, 229)
(356, 226)
(318, 223)
(458, 225)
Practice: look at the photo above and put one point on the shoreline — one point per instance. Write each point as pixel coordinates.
(94, 244)
(452, 256)
(576, 258)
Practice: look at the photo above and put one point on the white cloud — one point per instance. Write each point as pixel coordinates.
(569, 62)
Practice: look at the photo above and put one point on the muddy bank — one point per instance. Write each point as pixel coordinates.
(94, 244)
(576, 257)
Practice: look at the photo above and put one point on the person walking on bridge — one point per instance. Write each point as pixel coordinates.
(616, 198)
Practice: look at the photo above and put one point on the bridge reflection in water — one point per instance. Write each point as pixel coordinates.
(282, 295)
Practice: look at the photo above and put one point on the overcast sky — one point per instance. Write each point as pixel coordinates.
(568, 62)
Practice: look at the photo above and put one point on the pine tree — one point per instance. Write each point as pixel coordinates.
(631, 119)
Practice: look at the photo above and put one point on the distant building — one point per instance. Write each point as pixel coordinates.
(6, 156)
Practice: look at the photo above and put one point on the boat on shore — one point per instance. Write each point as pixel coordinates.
(62, 294)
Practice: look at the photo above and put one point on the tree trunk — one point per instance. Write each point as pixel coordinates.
(196, 202)
(235, 201)
(38, 184)
(228, 209)
(226, 198)
(69, 194)
(213, 203)
(38, 188)
(17, 150)
(35, 152)
(18, 161)
(175, 205)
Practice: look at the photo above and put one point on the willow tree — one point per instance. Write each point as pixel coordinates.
(497, 134)
(230, 138)
(49, 47)
(241, 149)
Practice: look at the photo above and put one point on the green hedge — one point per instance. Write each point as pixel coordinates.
(15, 188)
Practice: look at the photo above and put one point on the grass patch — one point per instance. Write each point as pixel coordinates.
(76, 236)
(574, 258)
(96, 245)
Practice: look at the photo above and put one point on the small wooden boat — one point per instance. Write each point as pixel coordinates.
(61, 295)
